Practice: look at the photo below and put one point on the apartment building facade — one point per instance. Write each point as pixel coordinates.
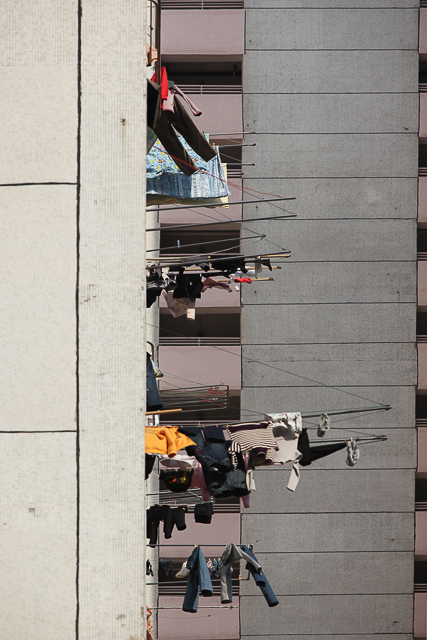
(332, 99)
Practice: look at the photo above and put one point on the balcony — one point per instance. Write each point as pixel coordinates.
(420, 616)
(423, 29)
(202, 35)
(186, 363)
(214, 300)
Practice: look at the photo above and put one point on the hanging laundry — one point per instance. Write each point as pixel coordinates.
(180, 461)
(245, 280)
(168, 568)
(198, 578)
(260, 579)
(149, 568)
(203, 513)
(310, 453)
(177, 480)
(161, 573)
(209, 283)
(353, 453)
(287, 441)
(150, 630)
(181, 121)
(228, 267)
(256, 437)
(169, 517)
(165, 440)
(324, 425)
(209, 446)
(198, 482)
(188, 285)
(176, 90)
(154, 401)
(166, 183)
(232, 554)
(149, 464)
(180, 306)
(183, 572)
(289, 420)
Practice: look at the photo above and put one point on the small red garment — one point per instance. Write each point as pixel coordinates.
(248, 280)
(164, 86)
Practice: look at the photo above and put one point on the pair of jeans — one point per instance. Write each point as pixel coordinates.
(260, 580)
(198, 578)
(211, 448)
(183, 123)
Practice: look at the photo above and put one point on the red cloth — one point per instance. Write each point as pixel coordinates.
(248, 280)
(164, 86)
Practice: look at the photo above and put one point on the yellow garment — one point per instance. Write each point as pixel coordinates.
(165, 440)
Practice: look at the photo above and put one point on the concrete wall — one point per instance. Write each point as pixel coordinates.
(38, 167)
(72, 234)
(331, 91)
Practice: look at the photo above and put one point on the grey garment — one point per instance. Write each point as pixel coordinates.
(232, 554)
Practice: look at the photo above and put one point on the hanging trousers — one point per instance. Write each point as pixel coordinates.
(183, 123)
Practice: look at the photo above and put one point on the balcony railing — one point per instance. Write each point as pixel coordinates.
(421, 506)
(422, 255)
(211, 89)
(422, 171)
(202, 4)
(421, 422)
(199, 342)
(421, 338)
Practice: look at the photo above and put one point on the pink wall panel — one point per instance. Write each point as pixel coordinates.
(422, 366)
(203, 33)
(422, 451)
(423, 115)
(422, 283)
(203, 365)
(224, 528)
(422, 199)
(174, 624)
(420, 615)
(421, 533)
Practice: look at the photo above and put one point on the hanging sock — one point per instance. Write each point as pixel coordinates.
(168, 568)
(353, 453)
(149, 568)
(324, 425)
(183, 572)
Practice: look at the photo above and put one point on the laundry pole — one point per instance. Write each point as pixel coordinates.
(111, 321)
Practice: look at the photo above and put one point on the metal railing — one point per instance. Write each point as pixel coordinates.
(202, 4)
(211, 89)
(421, 422)
(421, 506)
(421, 338)
(199, 342)
(422, 171)
(422, 255)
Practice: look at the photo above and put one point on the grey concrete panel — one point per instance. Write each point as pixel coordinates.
(331, 4)
(330, 72)
(334, 364)
(38, 127)
(39, 32)
(328, 155)
(332, 113)
(38, 318)
(331, 29)
(256, 401)
(336, 240)
(329, 614)
(328, 573)
(399, 451)
(344, 490)
(336, 198)
(330, 282)
(327, 532)
(295, 324)
(38, 535)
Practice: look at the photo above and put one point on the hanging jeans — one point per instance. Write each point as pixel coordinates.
(260, 580)
(198, 578)
(183, 123)
(232, 554)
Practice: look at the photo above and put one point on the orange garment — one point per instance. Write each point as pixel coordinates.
(165, 440)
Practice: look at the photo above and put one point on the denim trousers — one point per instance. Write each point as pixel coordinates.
(198, 578)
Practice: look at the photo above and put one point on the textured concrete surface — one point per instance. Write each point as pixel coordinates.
(331, 90)
(112, 342)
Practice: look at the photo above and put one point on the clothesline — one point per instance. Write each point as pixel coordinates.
(209, 224)
(195, 244)
(216, 204)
